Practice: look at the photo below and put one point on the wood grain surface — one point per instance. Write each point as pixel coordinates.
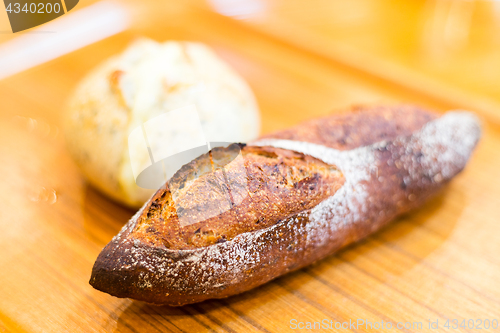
(439, 263)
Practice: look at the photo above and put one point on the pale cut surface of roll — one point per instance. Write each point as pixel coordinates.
(147, 80)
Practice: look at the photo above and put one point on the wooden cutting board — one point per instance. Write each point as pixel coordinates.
(436, 264)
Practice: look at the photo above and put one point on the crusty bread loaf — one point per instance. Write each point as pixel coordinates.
(295, 197)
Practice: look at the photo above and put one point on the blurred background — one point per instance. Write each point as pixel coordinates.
(446, 50)
(302, 59)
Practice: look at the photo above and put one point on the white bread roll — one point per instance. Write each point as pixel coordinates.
(149, 79)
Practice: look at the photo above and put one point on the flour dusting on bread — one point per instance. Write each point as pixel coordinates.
(445, 145)
(382, 180)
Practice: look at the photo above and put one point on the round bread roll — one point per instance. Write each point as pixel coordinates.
(147, 80)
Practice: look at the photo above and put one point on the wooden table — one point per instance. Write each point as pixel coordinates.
(439, 263)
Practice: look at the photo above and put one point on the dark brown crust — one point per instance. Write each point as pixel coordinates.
(239, 189)
(382, 181)
(360, 126)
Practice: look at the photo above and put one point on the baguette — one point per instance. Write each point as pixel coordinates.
(291, 198)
